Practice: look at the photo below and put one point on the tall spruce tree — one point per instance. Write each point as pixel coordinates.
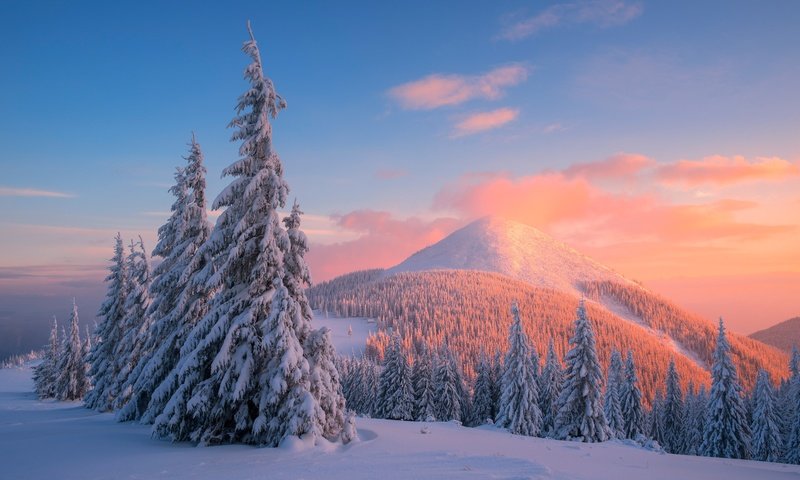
(179, 296)
(395, 392)
(726, 432)
(247, 377)
(580, 412)
(631, 400)
(104, 364)
(672, 413)
(73, 384)
(448, 385)
(483, 408)
(519, 402)
(136, 321)
(611, 401)
(550, 382)
(767, 442)
(424, 388)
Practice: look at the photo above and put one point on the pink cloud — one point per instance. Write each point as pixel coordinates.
(383, 241)
(483, 121)
(621, 165)
(601, 13)
(722, 170)
(438, 90)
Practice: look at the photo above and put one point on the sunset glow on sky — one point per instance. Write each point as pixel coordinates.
(660, 138)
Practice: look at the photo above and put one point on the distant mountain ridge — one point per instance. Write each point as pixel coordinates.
(460, 289)
(783, 335)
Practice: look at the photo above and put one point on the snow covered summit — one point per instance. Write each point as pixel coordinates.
(495, 244)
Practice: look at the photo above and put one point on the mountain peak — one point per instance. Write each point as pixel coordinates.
(497, 244)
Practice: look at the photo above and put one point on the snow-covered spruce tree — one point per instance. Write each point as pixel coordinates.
(45, 375)
(655, 419)
(726, 433)
(550, 382)
(792, 411)
(422, 381)
(792, 448)
(483, 408)
(136, 322)
(247, 378)
(324, 378)
(580, 411)
(395, 393)
(173, 309)
(104, 365)
(611, 403)
(695, 421)
(631, 400)
(519, 402)
(672, 414)
(181, 294)
(72, 384)
(767, 442)
(448, 384)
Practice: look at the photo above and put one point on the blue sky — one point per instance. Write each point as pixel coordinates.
(98, 100)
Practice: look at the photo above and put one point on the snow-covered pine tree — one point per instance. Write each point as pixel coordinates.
(136, 322)
(104, 365)
(767, 442)
(325, 384)
(395, 393)
(655, 419)
(726, 432)
(448, 386)
(672, 414)
(72, 384)
(324, 378)
(45, 375)
(695, 420)
(519, 402)
(550, 382)
(580, 411)
(497, 381)
(483, 408)
(611, 402)
(181, 296)
(792, 410)
(247, 379)
(422, 381)
(631, 400)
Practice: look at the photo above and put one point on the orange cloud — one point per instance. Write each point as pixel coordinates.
(722, 170)
(621, 165)
(483, 121)
(438, 90)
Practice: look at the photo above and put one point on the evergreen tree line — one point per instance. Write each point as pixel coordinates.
(63, 372)
(214, 344)
(576, 401)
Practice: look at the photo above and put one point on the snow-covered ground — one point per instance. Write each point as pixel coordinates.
(45, 440)
(344, 343)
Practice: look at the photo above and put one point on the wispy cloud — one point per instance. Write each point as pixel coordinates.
(483, 121)
(600, 13)
(722, 170)
(440, 90)
(32, 192)
(390, 173)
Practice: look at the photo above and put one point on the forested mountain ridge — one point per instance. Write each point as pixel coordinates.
(783, 335)
(441, 293)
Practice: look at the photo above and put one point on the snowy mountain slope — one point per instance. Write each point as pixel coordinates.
(346, 344)
(44, 440)
(446, 290)
(494, 244)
